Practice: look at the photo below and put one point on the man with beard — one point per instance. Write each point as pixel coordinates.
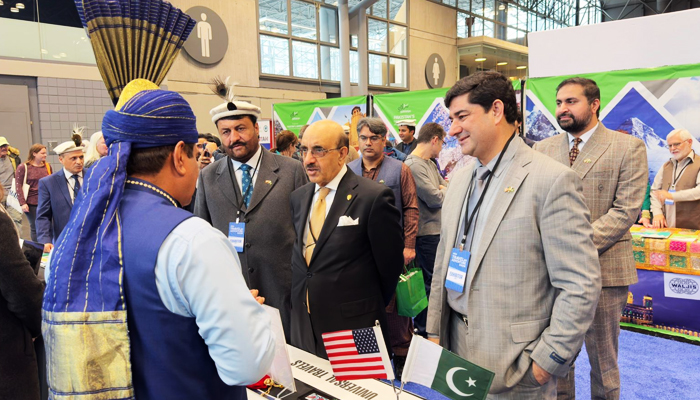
(246, 196)
(613, 167)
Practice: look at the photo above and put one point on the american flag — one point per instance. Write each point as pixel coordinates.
(358, 354)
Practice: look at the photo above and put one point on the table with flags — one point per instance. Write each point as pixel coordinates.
(358, 358)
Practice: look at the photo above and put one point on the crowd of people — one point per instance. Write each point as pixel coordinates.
(200, 229)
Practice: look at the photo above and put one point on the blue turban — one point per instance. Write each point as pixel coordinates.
(84, 311)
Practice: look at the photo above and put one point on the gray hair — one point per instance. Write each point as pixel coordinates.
(375, 125)
(683, 134)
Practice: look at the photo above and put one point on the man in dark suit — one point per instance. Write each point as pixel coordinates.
(348, 252)
(248, 192)
(57, 193)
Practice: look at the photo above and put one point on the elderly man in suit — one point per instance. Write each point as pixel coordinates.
(246, 196)
(516, 278)
(57, 193)
(613, 167)
(348, 252)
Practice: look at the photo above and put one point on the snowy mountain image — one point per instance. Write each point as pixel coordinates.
(639, 113)
(537, 125)
(451, 158)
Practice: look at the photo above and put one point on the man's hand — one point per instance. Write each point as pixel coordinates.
(441, 187)
(646, 222)
(203, 161)
(25, 208)
(408, 255)
(540, 374)
(659, 222)
(435, 340)
(663, 195)
(257, 298)
(48, 247)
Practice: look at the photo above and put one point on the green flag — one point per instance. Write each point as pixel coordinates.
(430, 365)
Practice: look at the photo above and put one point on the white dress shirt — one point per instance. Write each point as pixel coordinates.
(333, 186)
(584, 138)
(254, 166)
(71, 182)
(198, 275)
(669, 210)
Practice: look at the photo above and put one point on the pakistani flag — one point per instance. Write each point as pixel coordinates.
(430, 365)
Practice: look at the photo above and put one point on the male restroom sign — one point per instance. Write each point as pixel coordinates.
(208, 41)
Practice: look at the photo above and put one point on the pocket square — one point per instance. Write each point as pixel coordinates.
(347, 221)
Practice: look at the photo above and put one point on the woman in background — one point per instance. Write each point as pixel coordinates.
(29, 173)
(20, 316)
(286, 142)
(96, 150)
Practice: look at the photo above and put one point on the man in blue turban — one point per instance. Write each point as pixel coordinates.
(143, 299)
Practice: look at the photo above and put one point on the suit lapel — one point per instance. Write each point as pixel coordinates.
(305, 208)
(63, 187)
(266, 179)
(592, 151)
(513, 178)
(563, 153)
(344, 197)
(223, 180)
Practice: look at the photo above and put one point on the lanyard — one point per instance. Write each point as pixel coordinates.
(677, 177)
(483, 193)
(233, 181)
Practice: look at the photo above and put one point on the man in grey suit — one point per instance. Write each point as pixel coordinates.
(516, 277)
(246, 196)
(613, 167)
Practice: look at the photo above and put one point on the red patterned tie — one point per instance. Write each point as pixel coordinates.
(573, 153)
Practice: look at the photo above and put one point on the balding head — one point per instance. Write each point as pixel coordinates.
(324, 148)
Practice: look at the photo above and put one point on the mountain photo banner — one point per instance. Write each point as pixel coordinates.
(646, 103)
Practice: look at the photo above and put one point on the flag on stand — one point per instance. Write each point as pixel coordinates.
(358, 354)
(430, 365)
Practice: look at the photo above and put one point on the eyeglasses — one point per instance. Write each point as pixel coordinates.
(317, 152)
(672, 145)
(373, 139)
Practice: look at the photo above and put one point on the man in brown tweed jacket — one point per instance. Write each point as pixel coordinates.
(613, 167)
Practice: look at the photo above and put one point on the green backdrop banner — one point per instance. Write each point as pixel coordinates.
(293, 116)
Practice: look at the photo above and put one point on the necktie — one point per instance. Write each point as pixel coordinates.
(318, 217)
(76, 186)
(247, 184)
(573, 153)
(482, 173)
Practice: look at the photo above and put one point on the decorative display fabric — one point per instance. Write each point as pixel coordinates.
(679, 253)
(133, 39)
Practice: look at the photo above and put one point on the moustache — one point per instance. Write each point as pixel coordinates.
(565, 115)
(237, 143)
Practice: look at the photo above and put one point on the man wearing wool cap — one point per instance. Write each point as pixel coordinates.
(246, 196)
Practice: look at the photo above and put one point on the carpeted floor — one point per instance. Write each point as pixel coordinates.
(651, 368)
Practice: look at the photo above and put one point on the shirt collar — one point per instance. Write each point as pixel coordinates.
(381, 160)
(253, 162)
(586, 136)
(510, 153)
(70, 175)
(333, 184)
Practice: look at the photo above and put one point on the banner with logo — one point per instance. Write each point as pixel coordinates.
(665, 302)
(292, 116)
(647, 103)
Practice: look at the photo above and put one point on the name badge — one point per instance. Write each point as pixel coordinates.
(236, 234)
(457, 271)
(670, 202)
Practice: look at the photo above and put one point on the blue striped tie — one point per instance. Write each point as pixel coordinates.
(247, 184)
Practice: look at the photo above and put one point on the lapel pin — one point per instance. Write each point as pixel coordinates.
(269, 182)
(587, 161)
(382, 181)
(509, 189)
(349, 197)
